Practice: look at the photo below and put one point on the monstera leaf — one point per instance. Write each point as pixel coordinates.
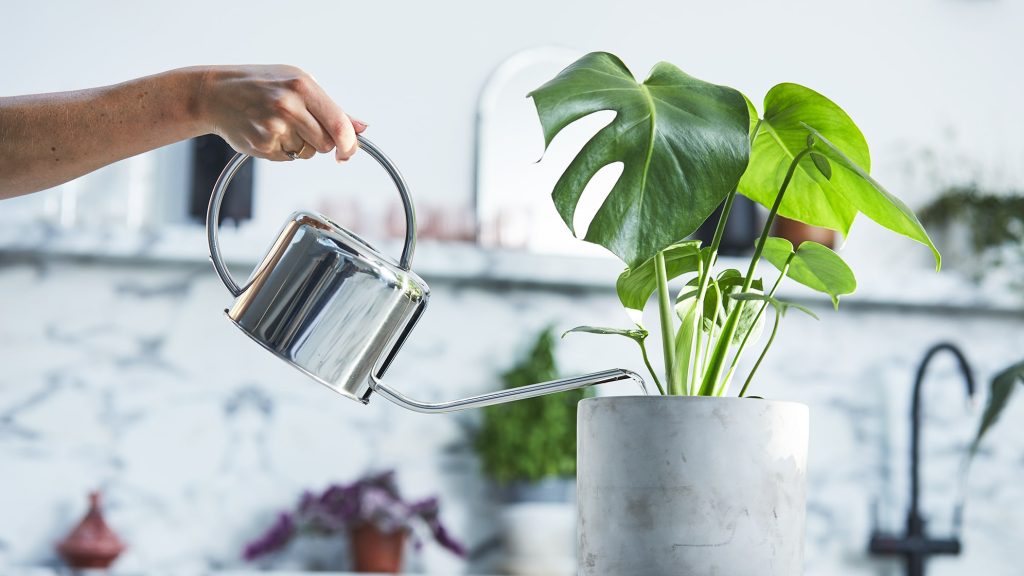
(831, 185)
(683, 145)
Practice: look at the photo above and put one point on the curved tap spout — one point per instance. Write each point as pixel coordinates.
(915, 546)
(914, 522)
(511, 394)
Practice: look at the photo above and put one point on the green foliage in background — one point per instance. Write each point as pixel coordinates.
(993, 220)
(686, 147)
(529, 440)
(1002, 388)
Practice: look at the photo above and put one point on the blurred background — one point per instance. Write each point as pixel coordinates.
(120, 374)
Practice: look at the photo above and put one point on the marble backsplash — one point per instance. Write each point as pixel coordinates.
(127, 378)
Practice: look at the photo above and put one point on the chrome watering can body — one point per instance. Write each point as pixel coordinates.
(325, 301)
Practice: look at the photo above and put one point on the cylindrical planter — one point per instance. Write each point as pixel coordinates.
(671, 486)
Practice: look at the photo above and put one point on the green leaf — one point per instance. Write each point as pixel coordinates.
(636, 334)
(682, 142)
(1001, 389)
(635, 285)
(684, 345)
(749, 321)
(813, 265)
(810, 197)
(875, 201)
(781, 305)
(822, 164)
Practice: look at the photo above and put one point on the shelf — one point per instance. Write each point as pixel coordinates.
(917, 290)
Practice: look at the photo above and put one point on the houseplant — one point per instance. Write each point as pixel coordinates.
(370, 511)
(528, 449)
(694, 482)
(981, 230)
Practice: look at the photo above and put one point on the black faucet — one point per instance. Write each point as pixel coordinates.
(915, 546)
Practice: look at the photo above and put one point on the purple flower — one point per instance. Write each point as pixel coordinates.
(274, 539)
(373, 500)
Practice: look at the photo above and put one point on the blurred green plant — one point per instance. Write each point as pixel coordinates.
(533, 439)
(1000, 391)
(993, 221)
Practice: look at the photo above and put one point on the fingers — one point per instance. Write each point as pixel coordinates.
(331, 117)
(294, 145)
(307, 152)
(312, 132)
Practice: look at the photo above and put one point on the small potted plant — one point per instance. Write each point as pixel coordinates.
(370, 511)
(704, 479)
(528, 449)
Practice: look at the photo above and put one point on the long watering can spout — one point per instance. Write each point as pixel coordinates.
(510, 394)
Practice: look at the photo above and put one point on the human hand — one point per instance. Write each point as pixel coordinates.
(269, 111)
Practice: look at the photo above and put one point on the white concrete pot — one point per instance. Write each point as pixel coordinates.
(683, 485)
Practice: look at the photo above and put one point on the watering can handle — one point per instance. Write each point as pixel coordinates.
(221, 187)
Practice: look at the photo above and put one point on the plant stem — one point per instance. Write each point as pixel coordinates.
(704, 276)
(746, 337)
(647, 361)
(667, 326)
(771, 218)
(729, 330)
(750, 377)
(698, 314)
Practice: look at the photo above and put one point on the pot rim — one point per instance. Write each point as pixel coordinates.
(668, 398)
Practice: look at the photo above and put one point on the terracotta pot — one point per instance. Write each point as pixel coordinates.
(377, 551)
(92, 544)
(797, 232)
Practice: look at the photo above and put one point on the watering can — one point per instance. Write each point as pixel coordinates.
(328, 303)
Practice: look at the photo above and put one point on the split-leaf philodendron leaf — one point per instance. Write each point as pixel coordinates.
(682, 142)
(819, 194)
(812, 265)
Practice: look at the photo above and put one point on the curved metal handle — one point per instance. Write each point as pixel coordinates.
(221, 187)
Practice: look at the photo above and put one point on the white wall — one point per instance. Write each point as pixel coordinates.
(917, 75)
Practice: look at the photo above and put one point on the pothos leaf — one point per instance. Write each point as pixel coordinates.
(813, 265)
(682, 142)
(1002, 388)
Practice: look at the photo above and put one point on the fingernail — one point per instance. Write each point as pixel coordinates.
(359, 125)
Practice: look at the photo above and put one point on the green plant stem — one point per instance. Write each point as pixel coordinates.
(665, 314)
(764, 352)
(698, 313)
(647, 361)
(714, 372)
(771, 218)
(746, 337)
(700, 364)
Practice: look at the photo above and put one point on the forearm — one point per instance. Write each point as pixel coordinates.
(48, 139)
